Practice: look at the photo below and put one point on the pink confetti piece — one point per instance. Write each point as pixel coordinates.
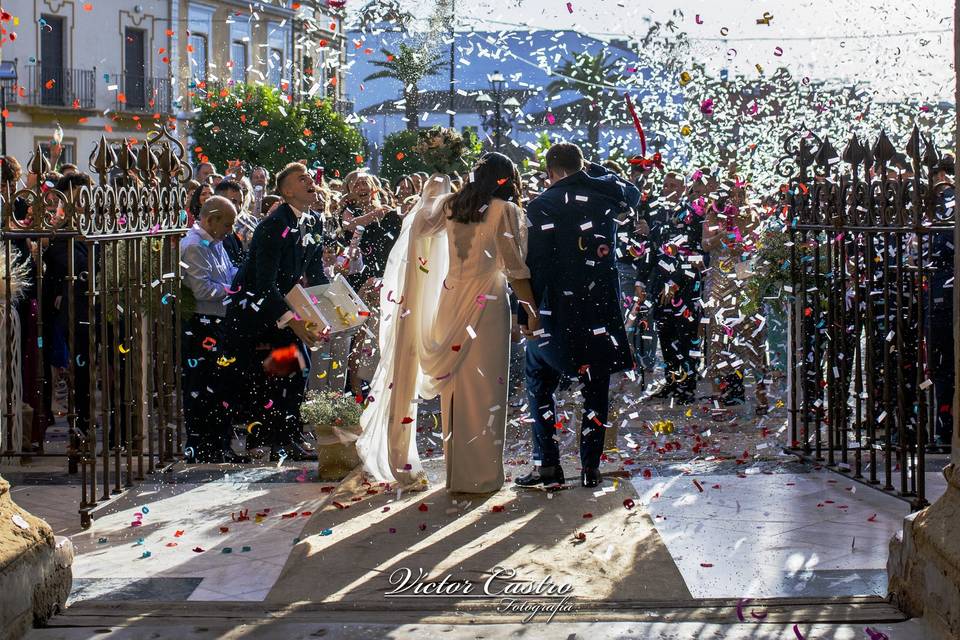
(876, 635)
(740, 605)
(796, 632)
(570, 7)
(285, 232)
(269, 404)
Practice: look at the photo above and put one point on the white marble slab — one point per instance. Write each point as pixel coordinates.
(774, 535)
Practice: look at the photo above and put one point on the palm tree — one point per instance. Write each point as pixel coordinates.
(588, 75)
(408, 66)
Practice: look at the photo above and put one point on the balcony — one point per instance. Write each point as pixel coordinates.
(57, 87)
(141, 93)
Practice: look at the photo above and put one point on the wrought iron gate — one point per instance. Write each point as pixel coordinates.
(120, 315)
(861, 234)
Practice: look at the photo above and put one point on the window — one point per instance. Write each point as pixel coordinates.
(275, 67)
(238, 55)
(198, 57)
(68, 155)
(199, 26)
(278, 53)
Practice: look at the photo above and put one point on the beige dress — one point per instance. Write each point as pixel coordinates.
(445, 330)
(474, 319)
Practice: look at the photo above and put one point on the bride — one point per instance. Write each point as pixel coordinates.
(445, 329)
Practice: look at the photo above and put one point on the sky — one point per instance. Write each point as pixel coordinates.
(901, 48)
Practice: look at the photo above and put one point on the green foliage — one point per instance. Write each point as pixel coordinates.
(400, 156)
(330, 407)
(770, 268)
(256, 124)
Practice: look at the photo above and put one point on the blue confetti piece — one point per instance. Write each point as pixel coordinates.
(326, 532)
(146, 554)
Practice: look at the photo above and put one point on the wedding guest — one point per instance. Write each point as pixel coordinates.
(234, 243)
(204, 171)
(734, 344)
(286, 250)
(199, 196)
(941, 252)
(208, 272)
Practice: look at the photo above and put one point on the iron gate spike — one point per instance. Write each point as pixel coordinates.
(883, 150)
(826, 154)
(913, 144)
(854, 153)
(39, 165)
(930, 154)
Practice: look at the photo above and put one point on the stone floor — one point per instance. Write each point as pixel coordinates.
(907, 630)
(698, 504)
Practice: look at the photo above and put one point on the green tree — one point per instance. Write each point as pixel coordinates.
(256, 124)
(408, 66)
(398, 157)
(588, 75)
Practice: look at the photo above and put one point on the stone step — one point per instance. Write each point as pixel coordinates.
(276, 627)
(852, 609)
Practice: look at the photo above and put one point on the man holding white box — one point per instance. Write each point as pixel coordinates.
(286, 251)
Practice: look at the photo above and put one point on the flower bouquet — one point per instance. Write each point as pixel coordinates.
(445, 150)
(335, 417)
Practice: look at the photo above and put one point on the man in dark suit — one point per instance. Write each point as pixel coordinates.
(573, 272)
(286, 249)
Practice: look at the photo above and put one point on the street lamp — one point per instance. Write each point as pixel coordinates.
(8, 72)
(497, 82)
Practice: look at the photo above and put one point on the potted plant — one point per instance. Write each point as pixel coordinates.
(335, 417)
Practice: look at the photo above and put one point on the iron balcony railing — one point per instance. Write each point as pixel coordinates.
(141, 93)
(55, 86)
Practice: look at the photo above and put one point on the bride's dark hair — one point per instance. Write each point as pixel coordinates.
(495, 176)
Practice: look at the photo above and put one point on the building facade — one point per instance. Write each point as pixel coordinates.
(120, 68)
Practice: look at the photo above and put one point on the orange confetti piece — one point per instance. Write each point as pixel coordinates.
(88, 7)
(307, 132)
(49, 83)
(122, 98)
(401, 155)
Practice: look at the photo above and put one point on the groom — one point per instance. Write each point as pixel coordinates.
(573, 273)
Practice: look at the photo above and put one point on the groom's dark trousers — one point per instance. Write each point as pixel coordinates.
(542, 382)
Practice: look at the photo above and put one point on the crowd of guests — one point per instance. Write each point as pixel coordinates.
(683, 255)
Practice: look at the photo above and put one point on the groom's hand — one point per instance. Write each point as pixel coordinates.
(532, 326)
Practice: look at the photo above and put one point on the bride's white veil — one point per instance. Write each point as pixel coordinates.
(412, 283)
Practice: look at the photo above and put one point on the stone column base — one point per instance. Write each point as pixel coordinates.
(35, 575)
(924, 562)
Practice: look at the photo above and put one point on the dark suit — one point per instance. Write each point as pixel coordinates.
(283, 252)
(675, 263)
(573, 273)
(56, 321)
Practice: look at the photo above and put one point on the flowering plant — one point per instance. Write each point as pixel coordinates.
(445, 150)
(330, 408)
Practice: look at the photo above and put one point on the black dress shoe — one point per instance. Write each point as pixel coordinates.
(590, 477)
(547, 476)
(230, 457)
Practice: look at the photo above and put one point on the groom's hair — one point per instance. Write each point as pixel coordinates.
(564, 157)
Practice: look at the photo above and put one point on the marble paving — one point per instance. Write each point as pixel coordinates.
(774, 534)
(226, 539)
